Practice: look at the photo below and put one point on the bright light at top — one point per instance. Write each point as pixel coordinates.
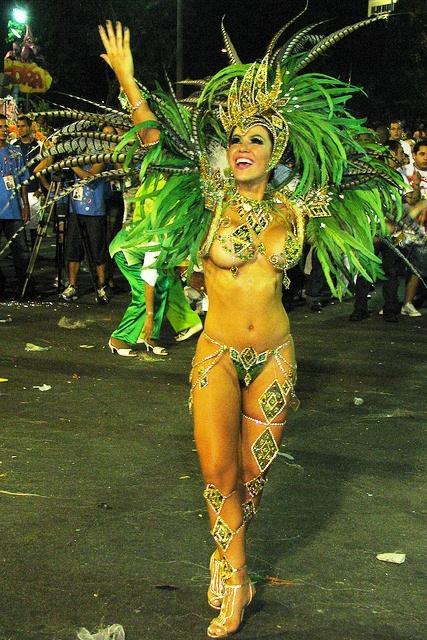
(20, 15)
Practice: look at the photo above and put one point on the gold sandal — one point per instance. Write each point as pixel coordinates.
(230, 619)
(216, 585)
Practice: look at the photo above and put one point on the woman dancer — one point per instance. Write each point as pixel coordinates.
(248, 236)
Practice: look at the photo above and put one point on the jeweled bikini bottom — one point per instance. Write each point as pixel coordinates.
(248, 365)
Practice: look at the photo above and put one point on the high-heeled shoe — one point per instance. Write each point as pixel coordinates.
(127, 353)
(216, 585)
(230, 617)
(155, 348)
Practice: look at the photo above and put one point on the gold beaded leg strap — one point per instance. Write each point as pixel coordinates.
(222, 533)
(200, 368)
(272, 403)
(254, 489)
(264, 449)
(289, 372)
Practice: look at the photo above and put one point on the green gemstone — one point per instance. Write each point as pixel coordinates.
(222, 534)
(265, 449)
(272, 401)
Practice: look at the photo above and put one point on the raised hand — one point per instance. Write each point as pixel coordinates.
(118, 55)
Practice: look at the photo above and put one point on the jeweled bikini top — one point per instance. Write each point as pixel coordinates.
(245, 242)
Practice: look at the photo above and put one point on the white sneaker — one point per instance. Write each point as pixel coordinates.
(408, 309)
(102, 296)
(187, 333)
(70, 294)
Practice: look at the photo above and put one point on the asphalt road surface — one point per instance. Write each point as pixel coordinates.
(102, 516)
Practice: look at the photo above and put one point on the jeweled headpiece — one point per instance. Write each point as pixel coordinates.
(252, 101)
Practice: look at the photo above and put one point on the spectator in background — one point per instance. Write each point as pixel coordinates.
(419, 132)
(382, 133)
(416, 175)
(14, 207)
(396, 133)
(87, 222)
(30, 149)
(390, 263)
(114, 205)
(317, 292)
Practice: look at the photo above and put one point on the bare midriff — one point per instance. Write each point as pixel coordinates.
(246, 310)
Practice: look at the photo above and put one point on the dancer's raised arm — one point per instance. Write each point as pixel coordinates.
(118, 56)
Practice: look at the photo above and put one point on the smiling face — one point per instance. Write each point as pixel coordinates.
(249, 153)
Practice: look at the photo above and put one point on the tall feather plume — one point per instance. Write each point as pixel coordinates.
(194, 131)
(335, 37)
(95, 104)
(98, 135)
(291, 44)
(160, 109)
(91, 158)
(117, 119)
(276, 37)
(88, 141)
(233, 58)
(195, 83)
(309, 41)
(75, 114)
(177, 105)
(191, 100)
(172, 170)
(73, 129)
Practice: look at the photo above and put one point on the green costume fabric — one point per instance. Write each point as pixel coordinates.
(169, 300)
(178, 312)
(133, 320)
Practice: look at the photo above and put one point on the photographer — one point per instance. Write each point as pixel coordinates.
(87, 221)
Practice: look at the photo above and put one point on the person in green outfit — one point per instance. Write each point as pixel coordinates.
(154, 295)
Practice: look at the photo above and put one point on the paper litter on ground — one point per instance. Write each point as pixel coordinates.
(395, 558)
(67, 323)
(113, 632)
(35, 347)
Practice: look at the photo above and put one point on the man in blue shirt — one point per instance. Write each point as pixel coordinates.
(14, 208)
(30, 149)
(87, 219)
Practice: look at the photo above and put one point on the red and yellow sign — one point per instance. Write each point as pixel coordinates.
(27, 75)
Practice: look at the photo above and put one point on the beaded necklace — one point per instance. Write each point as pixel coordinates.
(255, 217)
(257, 213)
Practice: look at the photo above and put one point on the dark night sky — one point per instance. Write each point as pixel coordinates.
(67, 30)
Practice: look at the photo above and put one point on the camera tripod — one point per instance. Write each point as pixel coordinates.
(57, 200)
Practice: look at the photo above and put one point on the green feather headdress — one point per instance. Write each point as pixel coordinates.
(311, 126)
